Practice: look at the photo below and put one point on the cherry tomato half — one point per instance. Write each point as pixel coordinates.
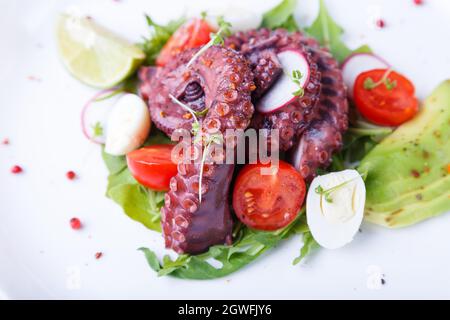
(192, 34)
(384, 105)
(268, 202)
(152, 166)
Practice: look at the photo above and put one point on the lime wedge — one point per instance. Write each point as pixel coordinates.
(93, 54)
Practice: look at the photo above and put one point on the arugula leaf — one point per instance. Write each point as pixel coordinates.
(248, 246)
(329, 34)
(290, 24)
(281, 16)
(359, 140)
(140, 204)
(152, 259)
(159, 35)
(363, 49)
(114, 164)
(309, 245)
(157, 137)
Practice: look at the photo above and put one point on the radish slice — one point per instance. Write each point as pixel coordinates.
(128, 125)
(358, 63)
(282, 92)
(95, 113)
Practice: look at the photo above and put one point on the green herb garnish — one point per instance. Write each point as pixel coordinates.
(97, 129)
(207, 139)
(296, 77)
(327, 193)
(369, 84)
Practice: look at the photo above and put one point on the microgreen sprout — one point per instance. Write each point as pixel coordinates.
(202, 113)
(195, 114)
(97, 129)
(296, 77)
(369, 84)
(207, 139)
(216, 38)
(185, 107)
(326, 193)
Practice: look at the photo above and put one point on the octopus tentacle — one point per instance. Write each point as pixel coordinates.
(314, 124)
(219, 83)
(261, 48)
(190, 226)
(329, 120)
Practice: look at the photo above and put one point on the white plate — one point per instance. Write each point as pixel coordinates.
(41, 257)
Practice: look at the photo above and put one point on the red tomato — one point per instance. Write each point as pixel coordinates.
(383, 106)
(192, 34)
(152, 166)
(268, 202)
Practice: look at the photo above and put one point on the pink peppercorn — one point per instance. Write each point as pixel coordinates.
(75, 223)
(380, 23)
(16, 169)
(71, 175)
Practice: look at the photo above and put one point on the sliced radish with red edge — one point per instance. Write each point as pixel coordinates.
(95, 113)
(282, 92)
(358, 63)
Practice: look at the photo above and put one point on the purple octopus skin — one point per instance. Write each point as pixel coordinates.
(193, 227)
(261, 48)
(328, 122)
(220, 81)
(315, 126)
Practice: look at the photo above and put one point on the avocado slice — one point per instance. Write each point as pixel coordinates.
(408, 177)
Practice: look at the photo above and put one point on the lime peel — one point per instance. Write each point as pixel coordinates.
(93, 54)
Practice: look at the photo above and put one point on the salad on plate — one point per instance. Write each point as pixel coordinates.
(229, 133)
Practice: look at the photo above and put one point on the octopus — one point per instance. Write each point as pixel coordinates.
(222, 86)
(311, 126)
(218, 85)
(261, 48)
(329, 120)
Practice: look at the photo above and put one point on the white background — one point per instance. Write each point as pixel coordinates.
(41, 257)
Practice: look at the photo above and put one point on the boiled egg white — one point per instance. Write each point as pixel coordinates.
(128, 125)
(335, 208)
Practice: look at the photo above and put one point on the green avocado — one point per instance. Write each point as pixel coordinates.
(408, 178)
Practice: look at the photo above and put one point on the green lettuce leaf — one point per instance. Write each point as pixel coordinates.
(139, 203)
(247, 247)
(309, 245)
(159, 35)
(329, 34)
(281, 16)
(144, 206)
